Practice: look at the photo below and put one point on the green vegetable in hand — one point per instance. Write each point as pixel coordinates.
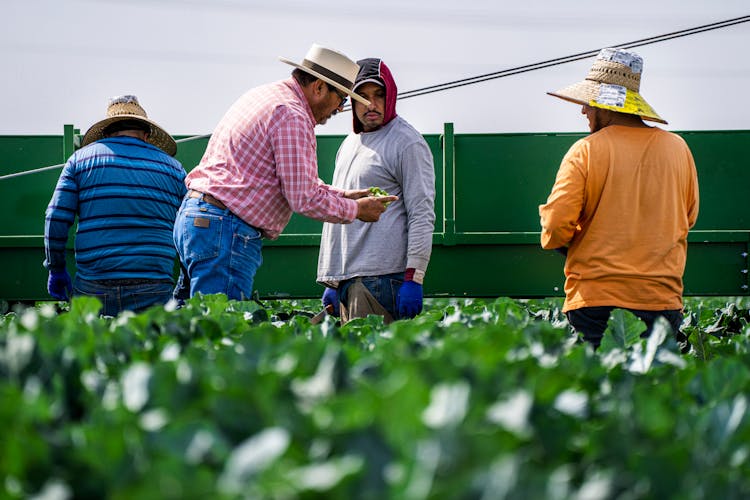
(378, 192)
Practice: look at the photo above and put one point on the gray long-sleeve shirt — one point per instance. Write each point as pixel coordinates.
(397, 159)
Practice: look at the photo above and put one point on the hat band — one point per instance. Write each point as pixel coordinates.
(328, 73)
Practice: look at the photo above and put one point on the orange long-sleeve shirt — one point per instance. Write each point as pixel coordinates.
(623, 202)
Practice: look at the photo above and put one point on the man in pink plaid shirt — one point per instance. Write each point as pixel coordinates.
(259, 167)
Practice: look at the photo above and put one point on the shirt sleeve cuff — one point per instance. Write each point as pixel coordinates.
(415, 275)
(351, 210)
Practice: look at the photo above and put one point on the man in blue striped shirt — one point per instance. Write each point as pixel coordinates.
(125, 187)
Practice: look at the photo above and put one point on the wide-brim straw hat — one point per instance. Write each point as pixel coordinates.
(126, 107)
(613, 83)
(332, 67)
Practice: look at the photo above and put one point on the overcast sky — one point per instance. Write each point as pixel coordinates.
(188, 60)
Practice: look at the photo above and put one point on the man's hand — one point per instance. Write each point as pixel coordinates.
(331, 297)
(355, 194)
(369, 208)
(409, 300)
(59, 285)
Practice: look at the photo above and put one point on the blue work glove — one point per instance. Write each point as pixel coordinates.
(331, 297)
(409, 300)
(59, 285)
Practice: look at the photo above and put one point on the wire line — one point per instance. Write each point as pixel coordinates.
(571, 58)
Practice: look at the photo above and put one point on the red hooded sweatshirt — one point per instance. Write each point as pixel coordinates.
(375, 71)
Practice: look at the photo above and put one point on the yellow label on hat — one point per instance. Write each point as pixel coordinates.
(623, 100)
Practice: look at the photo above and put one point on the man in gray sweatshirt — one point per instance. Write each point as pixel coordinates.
(379, 268)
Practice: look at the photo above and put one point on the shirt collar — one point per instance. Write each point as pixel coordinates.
(297, 89)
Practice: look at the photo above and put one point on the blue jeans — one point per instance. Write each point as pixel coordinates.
(384, 288)
(219, 251)
(118, 298)
(592, 321)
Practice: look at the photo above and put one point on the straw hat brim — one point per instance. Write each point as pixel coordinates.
(349, 92)
(587, 92)
(158, 136)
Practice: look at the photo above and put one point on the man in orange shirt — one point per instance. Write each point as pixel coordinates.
(623, 201)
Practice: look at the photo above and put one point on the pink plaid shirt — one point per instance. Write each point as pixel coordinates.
(261, 162)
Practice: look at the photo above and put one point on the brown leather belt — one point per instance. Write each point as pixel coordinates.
(207, 198)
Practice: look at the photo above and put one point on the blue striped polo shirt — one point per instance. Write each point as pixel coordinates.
(125, 193)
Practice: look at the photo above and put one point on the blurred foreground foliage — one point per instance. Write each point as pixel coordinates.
(483, 399)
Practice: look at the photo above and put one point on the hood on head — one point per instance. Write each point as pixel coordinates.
(374, 70)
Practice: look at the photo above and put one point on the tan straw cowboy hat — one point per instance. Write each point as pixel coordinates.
(126, 107)
(613, 83)
(332, 67)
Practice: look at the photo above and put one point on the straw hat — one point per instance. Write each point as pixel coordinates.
(613, 83)
(332, 67)
(126, 107)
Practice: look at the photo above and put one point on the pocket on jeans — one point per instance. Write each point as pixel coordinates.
(145, 296)
(202, 232)
(244, 234)
(246, 243)
(372, 283)
(395, 286)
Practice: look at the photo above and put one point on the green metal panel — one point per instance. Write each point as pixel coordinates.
(190, 150)
(502, 179)
(723, 176)
(25, 197)
(19, 153)
(486, 240)
(716, 267)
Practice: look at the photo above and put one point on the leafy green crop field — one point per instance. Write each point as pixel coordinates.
(471, 400)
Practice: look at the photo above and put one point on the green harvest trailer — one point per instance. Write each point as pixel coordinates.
(486, 239)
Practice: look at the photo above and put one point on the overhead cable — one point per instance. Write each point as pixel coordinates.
(575, 57)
